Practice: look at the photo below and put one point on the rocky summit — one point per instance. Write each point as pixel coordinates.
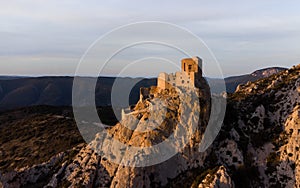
(257, 146)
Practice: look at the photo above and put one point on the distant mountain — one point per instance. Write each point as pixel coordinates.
(18, 92)
(11, 77)
(233, 81)
(57, 91)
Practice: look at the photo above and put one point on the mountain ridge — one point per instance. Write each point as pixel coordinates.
(57, 91)
(256, 147)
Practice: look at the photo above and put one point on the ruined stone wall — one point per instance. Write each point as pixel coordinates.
(191, 72)
(166, 81)
(180, 79)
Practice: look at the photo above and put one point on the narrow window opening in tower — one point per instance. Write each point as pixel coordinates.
(190, 67)
(183, 66)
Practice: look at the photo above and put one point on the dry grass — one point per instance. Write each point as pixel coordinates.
(33, 135)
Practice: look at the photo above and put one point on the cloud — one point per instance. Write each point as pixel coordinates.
(238, 32)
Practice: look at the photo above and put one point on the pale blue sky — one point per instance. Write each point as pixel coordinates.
(49, 37)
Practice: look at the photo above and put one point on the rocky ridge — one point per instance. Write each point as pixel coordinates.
(258, 145)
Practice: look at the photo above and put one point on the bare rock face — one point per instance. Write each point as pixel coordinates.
(219, 179)
(147, 115)
(266, 120)
(289, 168)
(267, 72)
(85, 170)
(156, 116)
(29, 175)
(230, 154)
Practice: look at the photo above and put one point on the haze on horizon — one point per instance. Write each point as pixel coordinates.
(49, 37)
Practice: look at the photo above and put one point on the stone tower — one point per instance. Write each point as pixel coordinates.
(191, 72)
(193, 68)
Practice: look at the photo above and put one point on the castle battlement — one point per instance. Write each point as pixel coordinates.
(189, 76)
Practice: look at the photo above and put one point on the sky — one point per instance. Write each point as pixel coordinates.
(50, 37)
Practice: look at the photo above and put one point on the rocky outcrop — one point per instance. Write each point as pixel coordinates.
(219, 179)
(30, 175)
(155, 117)
(266, 120)
(263, 73)
(84, 170)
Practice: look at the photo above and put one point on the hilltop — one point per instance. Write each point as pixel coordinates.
(256, 147)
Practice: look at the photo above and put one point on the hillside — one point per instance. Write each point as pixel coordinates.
(57, 91)
(16, 92)
(233, 81)
(258, 145)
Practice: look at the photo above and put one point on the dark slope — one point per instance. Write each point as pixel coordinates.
(57, 91)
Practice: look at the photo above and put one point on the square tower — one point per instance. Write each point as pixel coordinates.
(193, 68)
(192, 65)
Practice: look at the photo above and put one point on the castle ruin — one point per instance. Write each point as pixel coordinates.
(190, 77)
(191, 72)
